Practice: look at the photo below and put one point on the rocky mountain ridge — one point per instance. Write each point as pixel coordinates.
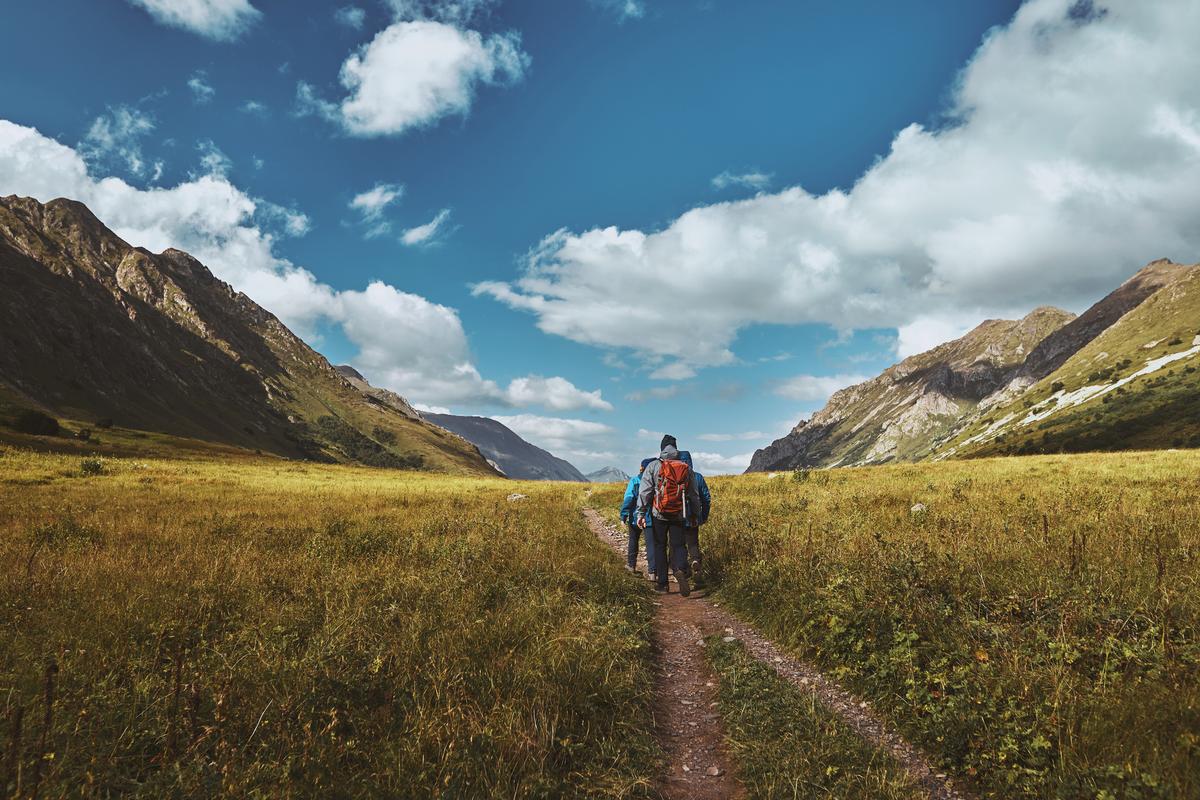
(930, 405)
(511, 454)
(92, 328)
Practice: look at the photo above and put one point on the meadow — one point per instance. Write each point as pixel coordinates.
(1033, 623)
(282, 629)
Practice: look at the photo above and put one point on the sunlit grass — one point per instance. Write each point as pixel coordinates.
(1035, 627)
(280, 629)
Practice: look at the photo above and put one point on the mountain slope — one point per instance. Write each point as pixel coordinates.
(94, 329)
(1136, 384)
(515, 457)
(902, 413)
(607, 475)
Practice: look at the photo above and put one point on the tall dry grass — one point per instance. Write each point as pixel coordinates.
(1037, 626)
(203, 629)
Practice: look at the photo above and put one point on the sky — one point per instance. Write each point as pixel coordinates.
(602, 220)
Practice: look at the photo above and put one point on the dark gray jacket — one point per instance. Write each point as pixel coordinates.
(691, 497)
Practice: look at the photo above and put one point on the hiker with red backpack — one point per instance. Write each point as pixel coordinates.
(667, 499)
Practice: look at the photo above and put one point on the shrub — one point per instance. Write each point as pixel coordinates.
(92, 466)
(36, 423)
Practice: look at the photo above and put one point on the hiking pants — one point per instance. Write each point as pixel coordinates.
(691, 539)
(668, 532)
(635, 534)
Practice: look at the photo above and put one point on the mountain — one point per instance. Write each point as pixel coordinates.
(900, 414)
(607, 475)
(1118, 376)
(113, 336)
(1135, 384)
(511, 454)
(384, 396)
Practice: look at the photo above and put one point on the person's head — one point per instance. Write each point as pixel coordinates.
(645, 463)
(668, 441)
(686, 457)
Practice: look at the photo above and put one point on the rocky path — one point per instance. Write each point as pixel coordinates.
(691, 733)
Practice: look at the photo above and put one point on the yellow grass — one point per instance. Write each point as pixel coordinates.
(277, 629)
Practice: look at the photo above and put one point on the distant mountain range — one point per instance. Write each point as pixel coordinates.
(101, 334)
(507, 451)
(1122, 375)
(607, 475)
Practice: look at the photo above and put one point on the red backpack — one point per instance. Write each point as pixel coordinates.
(671, 488)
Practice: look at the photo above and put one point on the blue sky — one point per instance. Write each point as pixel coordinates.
(598, 217)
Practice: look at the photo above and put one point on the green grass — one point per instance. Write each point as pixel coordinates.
(787, 745)
(275, 629)
(1037, 629)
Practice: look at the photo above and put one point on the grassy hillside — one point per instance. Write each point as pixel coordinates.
(274, 629)
(1036, 625)
(1136, 386)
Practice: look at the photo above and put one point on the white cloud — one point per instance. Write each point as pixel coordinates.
(926, 333)
(815, 388)
(115, 138)
(717, 464)
(413, 73)
(372, 203)
(255, 108)
(748, 436)
(405, 342)
(749, 180)
(426, 234)
(657, 393)
(675, 371)
(1070, 161)
(456, 12)
(424, 409)
(624, 9)
(350, 16)
(212, 160)
(563, 437)
(556, 394)
(221, 20)
(202, 90)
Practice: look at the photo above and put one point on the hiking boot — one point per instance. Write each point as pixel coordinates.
(661, 588)
(681, 579)
(633, 569)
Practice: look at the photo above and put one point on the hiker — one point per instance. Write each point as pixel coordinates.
(628, 512)
(666, 496)
(691, 532)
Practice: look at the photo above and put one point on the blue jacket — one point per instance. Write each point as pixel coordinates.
(629, 504)
(701, 487)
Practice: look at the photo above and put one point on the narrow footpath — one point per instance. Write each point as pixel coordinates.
(691, 733)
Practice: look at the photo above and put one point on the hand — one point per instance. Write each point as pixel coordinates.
(642, 523)
(625, 518)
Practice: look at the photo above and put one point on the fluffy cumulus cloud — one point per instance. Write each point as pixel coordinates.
(221, 20)
(413, 73)
(717, 464)
(815, 388)
(427, 234)
(405, 342)
(1070, 159)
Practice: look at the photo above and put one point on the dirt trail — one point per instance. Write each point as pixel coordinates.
(679, 628)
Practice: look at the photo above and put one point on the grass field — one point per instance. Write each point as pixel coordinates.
(1036, 627)
(278, 629)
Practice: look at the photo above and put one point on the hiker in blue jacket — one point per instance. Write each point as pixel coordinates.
(691, 532)
(628, 512)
